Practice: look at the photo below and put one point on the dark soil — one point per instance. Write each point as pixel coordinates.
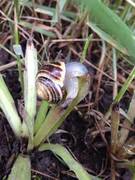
(80, 133)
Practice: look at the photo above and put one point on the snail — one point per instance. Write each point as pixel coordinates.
(57, 81)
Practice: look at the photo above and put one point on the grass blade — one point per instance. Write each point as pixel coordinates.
(40, 116)
(50, 11)
(125, 86)
(106, 20)
(9, 109)
(17, 40)
(21, 169)
(59, 8)
(38, 28)
(85, 48)
(64, 154)
(124, 132)
(30, 87)
(107, 37)
(115, 120)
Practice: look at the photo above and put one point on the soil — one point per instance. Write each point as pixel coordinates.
(80, 133)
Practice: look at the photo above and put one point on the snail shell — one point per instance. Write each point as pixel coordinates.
(50, 82)
(54, 79)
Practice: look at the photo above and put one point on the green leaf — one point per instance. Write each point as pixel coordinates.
(109, 23)
(64, 154)
(40, 116)
(21, 169)
(57, 115)
(8, 107)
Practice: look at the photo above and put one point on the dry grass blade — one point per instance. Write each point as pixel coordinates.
(124, 132)
(30, 87)
(9, 65)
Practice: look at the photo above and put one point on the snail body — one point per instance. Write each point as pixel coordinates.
(74, 70)
(58, 80)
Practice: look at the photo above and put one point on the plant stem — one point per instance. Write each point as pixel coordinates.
(16, 38)
(86, 46)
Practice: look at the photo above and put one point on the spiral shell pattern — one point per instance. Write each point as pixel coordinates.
(50, 81)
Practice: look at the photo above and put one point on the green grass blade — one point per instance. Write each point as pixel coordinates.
(107, 37)
(59, 8)
(64, 154)
(115, 121)
(125, 86)
(57, 115)
(8, 107)
(85, 48)
(67, 15)
(37, 29)
(46, 9)
(40, 116)
(29, 86)
(62, 5)
(17, 39)
(106, 20)
(21, 169)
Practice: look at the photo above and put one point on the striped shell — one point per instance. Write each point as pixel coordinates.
(50, 82)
